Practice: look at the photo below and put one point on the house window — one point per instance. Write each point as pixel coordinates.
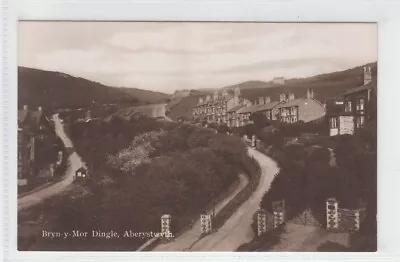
(293, 111)
(334, 122)
(294, 119)
(360, 104)
(360, 121)
(347, 106)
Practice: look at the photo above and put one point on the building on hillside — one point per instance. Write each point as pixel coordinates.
(235, 111)
(264, 106)
(354, 108)
(33, 125)
(220, 108)
(292, 110)
(233, 117)
(278, 80)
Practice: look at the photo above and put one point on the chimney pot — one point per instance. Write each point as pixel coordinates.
(367, 75)
(310, 93)
(283, 97)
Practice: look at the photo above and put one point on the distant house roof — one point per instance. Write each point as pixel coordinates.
(203, 103)
(236, 108)
(371, 85)
(258, 108)
(268, 106)
(297, 102)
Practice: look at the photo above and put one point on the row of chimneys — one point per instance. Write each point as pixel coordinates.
(262, 100)
(217, 95)
(290, 96)
(265, 100)
(39, 108)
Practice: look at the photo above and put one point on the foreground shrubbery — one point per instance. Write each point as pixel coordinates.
(308, 177)
(140, 171)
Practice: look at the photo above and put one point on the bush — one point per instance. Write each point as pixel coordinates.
(316, 153)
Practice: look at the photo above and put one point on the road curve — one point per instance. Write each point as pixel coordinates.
(191, 236)
(74, 163)
(237, 229)
(151, 110)
(159, 111)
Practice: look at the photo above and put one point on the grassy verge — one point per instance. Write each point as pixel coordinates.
(253, 171)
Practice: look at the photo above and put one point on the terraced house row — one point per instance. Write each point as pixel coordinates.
(232, 109)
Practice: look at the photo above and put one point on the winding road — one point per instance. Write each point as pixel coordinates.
(191, 236)
(74, 163)
(237, 229)
(152, 110)
(159, 111)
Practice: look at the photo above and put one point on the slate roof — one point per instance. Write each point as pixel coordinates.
(371, 85)
(236, 108)
(258, 108)
(297, 102)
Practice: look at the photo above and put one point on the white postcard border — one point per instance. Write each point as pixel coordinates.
(383, 12)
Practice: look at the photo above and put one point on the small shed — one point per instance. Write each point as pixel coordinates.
(81, 173)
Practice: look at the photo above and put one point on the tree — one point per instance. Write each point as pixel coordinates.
(259, 119)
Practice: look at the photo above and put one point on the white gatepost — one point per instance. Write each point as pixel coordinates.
(332, 217)
(261, 222)
(357, 220)
(278, 209)
(205, 224)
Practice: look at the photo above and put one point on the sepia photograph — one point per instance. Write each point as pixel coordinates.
(197, 136)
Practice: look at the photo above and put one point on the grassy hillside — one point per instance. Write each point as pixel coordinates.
(183, 107)
(146, 96)
(325, 86)
(250, 85)
(58, 90)
(179, 105)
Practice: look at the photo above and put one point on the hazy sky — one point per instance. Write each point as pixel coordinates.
(169, 56)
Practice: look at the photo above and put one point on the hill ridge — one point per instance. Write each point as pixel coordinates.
(53, 89)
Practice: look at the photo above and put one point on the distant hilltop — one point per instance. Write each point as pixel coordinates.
(184, 92)
(54, 90)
